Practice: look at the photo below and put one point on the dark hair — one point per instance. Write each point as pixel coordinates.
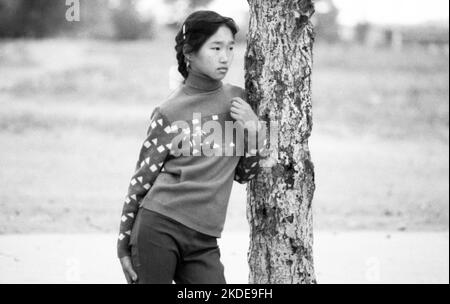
(198, 28)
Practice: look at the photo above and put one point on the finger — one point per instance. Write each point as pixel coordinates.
(130, 271)
(127, 277)
(133, 275)
(237, 108)
(236, 116)
(237, 111)
(237, 105)
(241, 107)
(242, 102)
(236, 101)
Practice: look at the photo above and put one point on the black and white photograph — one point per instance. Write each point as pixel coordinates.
(224, 142)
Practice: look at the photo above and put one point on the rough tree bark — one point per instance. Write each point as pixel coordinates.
(278, 82)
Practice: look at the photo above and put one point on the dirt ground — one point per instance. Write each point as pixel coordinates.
(346, 257)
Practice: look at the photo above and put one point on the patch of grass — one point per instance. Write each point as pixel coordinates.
(381, 92)
(72, 122)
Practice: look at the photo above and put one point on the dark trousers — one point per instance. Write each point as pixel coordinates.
(163, 250)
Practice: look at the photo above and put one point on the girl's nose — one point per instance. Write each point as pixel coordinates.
(225, 57)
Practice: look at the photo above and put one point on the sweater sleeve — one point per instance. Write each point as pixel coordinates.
(152, 156)
(248, 166)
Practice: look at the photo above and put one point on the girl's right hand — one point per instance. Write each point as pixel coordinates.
(128, 270)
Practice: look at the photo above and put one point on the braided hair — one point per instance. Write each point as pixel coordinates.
(196, 30)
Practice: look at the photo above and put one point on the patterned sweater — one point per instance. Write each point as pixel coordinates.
(192, 189)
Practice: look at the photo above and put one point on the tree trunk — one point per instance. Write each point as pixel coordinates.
(278, 82)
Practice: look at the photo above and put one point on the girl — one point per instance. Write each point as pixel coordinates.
(176, 205)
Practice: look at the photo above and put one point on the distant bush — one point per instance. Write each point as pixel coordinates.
(44, 18)
(31, 18)
(325, 21)
(128, 24)
(362, 31)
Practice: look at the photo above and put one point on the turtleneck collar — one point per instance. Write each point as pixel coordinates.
(197, 82)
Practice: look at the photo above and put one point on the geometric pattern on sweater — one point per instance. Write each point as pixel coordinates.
(156, 148)
(153, 152)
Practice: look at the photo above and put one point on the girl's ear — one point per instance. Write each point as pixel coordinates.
(186, 51)
(188, 57)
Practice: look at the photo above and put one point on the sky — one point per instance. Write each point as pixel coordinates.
(403, 12)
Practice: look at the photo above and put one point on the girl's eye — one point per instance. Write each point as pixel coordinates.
(231, 48)
(216, 48)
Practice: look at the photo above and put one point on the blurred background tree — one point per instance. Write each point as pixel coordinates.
(128, 23)
(362, 30)
(191, 4)
(31, 18)
(182, 8)
(325, 21)
(198, 3)
(99, 19)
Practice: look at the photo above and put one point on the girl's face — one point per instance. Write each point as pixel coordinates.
(215, 56)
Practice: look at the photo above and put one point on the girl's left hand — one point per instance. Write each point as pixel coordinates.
(243, 113)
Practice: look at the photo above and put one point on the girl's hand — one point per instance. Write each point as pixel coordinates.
(243, 113)
(128, 270)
